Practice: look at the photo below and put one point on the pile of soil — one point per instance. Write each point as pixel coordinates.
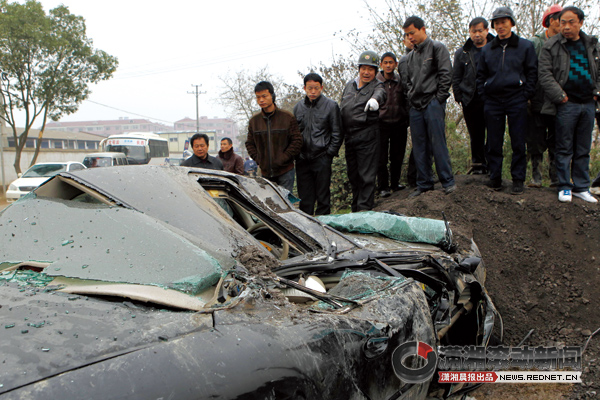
(543, 264)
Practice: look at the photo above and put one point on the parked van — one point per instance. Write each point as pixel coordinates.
(107, 159)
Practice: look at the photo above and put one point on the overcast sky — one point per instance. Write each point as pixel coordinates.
(165, 47)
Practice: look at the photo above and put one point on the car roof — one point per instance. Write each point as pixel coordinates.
(106, 154)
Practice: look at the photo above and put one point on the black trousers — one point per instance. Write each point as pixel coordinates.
(313, 180)
(362, 158)
(392, 146)
(541, 136)
(497, 112)
(475, 120)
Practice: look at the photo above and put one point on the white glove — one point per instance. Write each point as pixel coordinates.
(372, 105)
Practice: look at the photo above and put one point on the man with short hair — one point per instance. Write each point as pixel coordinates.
(541, 132)
(429, 77)
(570, 75)
(274, 139)
(393, 127)
(506, 78)
(411, 170)
(319, 121)
(464, 86)
(360, 127)
(231, 161)
(201, 158)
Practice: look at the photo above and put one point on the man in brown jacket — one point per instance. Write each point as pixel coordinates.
(274, 139)
(231, 161)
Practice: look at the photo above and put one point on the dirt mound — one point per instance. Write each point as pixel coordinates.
(543, 264)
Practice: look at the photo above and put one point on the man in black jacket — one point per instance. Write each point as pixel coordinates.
(465, 91)
(393, 129)
(506, 78)
(319, 121)
(429, 77)
(360, 127)
(201, 158)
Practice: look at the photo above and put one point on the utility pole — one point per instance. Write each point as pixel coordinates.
(197, 93)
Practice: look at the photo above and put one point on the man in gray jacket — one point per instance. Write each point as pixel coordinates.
(541, 128)
(360, 126)
(570, 75)
(429, 77)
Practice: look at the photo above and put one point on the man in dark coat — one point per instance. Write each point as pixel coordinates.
(429, 77)
(464, 86)
(506, 78)
(360, 126)
(393, 129)
(541, 130)
(274, 139)
(319, 121)
(201, 158)
(231, 161)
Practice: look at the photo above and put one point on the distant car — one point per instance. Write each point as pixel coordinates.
(38, 174)
(106, 159)
(174, 161)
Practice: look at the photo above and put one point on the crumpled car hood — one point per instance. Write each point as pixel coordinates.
(38, 326)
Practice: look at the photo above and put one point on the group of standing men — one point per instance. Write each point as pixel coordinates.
(495, 79)
(546, 88)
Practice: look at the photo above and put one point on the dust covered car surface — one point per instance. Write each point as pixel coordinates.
(167, 282)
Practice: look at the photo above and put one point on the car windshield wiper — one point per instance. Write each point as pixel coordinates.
(327, 298)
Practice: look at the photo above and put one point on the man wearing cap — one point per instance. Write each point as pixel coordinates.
(540, 135)
(464, 86)
(429, 77)
(393, 129)
(570, 75)
(319, 120)
(506, 78)
(360, 127)
(274, 139)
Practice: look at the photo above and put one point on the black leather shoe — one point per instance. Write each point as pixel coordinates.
(495, 184)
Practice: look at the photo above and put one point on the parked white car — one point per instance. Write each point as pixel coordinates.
(38, 174)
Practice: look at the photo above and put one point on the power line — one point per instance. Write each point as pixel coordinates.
(129, 112)
(238, 56)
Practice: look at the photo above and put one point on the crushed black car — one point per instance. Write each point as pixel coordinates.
(152, 282)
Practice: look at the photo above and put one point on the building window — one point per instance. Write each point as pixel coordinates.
(57, 144)
(80, 144)
(45, 144)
